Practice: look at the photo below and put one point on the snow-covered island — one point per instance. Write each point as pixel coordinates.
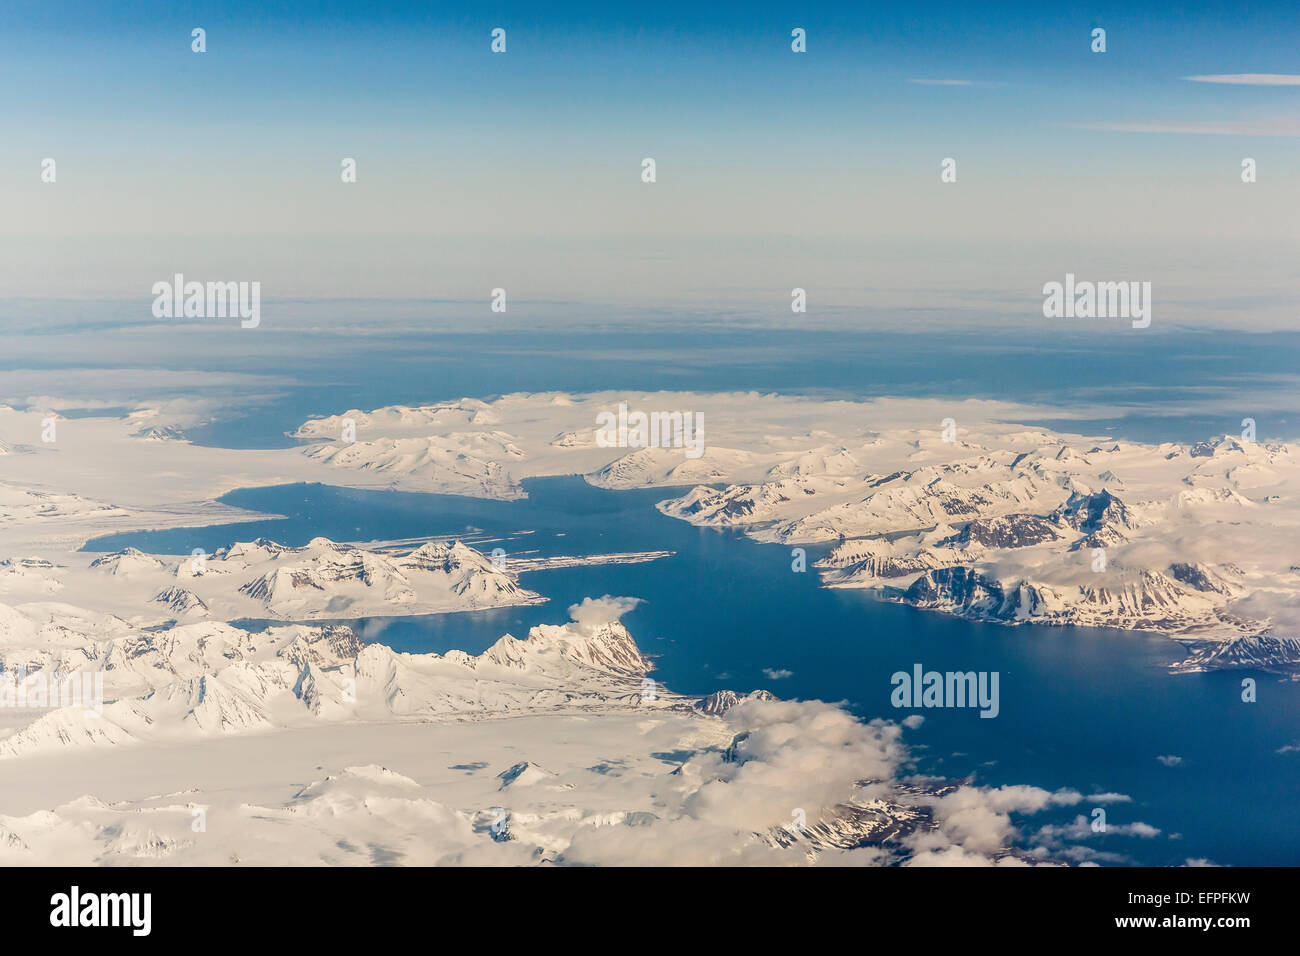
(1021, 526)
(320, 580)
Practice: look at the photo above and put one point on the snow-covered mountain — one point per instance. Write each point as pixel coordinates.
(1146, 600)
(1279, 654)
(181, 602)
(127, 562)
(475, 464)
(391, 418)
(322, 579)
(27, 505)
(211, 678)
(1020, 527)
(668, 466)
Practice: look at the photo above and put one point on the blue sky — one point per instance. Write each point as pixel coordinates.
(165, 155)
(397, 63)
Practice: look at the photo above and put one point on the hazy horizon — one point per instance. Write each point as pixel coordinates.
(774, 169)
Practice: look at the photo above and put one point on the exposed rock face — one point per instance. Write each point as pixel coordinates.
(1199, 577)
(876, 823)
(1101, 516)
(1008, 531)
(969, 593)
(1147, 600)
(1275, 654)
(321, 580)
(181, 601)
(721, 701)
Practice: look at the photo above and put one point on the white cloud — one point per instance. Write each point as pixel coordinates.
(1248, 79)
(1109, 798)
(593, 612)
(1275, 127)
(805, 755)
(1080, 828)
(813, 756)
